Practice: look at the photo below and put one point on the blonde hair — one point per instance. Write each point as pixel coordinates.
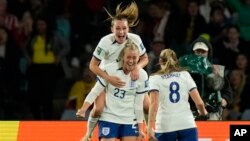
(130, 13)
(130, 45)
(169, 62)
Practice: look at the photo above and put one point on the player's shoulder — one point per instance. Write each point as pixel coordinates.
(143, 75)
(154, 76)
(134, 37)
(107, 39)
(185, 73)
(143, 72)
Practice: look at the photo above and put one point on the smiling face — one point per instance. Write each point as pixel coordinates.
(130, 59)
(120, 28)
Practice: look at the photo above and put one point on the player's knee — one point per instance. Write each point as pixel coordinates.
(98, 111)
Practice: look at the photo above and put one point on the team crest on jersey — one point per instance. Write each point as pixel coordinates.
(132, 84)
(105, 131)
(99, 50)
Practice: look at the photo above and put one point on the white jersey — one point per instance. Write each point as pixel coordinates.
(174, 109)
(120, 102)
(108, 49)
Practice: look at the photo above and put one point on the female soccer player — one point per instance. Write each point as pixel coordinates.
(169, 111)
(122, 115)
(107, 51)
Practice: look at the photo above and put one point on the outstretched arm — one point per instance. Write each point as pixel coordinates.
(93, 94)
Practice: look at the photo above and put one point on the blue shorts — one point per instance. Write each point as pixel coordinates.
(114, 130)
(190, 134)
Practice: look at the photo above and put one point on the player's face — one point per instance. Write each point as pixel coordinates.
(130, 59)
(120, 29)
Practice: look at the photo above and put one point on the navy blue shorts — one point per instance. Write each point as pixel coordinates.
(182, 135)
(114, 130)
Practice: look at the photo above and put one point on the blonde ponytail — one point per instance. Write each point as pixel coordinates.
(129, 12)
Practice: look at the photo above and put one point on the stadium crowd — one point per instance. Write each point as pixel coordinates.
(46, 46)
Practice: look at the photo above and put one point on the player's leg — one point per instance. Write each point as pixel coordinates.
(132, 138)
(146, 103)
(95, 115)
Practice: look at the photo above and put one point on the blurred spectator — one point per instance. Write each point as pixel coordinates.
(218, 22)
(237, 81)
(241, 7)
(205, 8)
(25, 28)
(245, 96)
(38, 7)
(9, 73)
(230, 46)
(193, 24)
(242, 63)
(8, 20)
(45, 51)
(165, 22)
(78, 93)
(156, 48)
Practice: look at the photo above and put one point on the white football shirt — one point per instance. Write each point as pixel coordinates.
(120, 102)
(174, 109)
(108, 49)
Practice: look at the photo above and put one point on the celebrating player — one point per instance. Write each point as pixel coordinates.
(169, 90)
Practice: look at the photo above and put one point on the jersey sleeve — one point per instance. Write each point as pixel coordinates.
(142, 48)
(154, 83)
(190, 81)
(137, 39)
(143, 82)
(100, 51)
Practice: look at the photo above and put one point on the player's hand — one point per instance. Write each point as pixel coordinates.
(80, 113)
(116, 81)
(151, 135)
(141, 136)
(223, 103)
(202, 117)
(135, 73)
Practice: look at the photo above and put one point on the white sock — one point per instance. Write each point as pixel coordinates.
(92, 122)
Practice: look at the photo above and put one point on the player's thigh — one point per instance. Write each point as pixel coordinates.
(132, 138)
(100, 101)
(190, 134)
(111, 139)
(146, 102)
